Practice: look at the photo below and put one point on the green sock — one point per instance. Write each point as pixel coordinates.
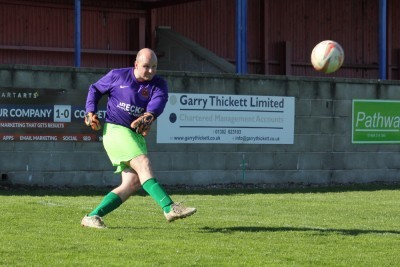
(155, 190)
(109, 203)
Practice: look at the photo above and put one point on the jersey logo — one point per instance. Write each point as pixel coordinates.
(123, 86)
(144, 92)
(131, 109)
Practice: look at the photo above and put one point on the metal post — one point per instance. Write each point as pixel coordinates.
(244, 36)
(77, 33)
(241, 36)
(382, 39)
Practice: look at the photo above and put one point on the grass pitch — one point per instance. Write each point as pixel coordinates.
(343, 226)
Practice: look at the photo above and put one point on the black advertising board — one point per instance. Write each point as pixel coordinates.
(46, 115)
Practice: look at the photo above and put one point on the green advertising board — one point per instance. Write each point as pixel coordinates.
(376, 122)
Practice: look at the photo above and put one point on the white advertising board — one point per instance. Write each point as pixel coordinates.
(227, 119)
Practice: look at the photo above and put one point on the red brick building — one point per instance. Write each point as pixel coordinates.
(280, 34)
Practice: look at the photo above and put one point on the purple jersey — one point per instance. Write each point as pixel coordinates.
(127, 97)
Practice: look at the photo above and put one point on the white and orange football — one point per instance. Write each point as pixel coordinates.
(327, 56)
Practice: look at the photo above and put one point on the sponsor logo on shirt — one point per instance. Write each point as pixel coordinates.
(132, 109)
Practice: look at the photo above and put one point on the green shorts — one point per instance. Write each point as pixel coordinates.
(122, 145)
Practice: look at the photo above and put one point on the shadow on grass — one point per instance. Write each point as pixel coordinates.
(323, 231)
(216, 189)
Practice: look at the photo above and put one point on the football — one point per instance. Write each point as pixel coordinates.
(327, 56)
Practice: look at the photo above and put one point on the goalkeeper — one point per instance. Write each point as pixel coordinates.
(136, 97)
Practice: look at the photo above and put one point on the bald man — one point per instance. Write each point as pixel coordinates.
(136, 97)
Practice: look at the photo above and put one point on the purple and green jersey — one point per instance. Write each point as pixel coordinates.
(127, 97)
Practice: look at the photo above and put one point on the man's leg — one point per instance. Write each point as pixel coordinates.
(130, 184)
(172, 211)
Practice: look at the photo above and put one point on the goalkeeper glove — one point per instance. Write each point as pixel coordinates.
(92, 121)
(142, 124)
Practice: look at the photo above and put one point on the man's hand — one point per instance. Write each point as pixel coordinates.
(142, 124)
(92, 121)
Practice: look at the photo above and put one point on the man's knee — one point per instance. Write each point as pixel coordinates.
(135, 184)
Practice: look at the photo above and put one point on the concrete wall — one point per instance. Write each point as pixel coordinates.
(182, 54)
(322, 152)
